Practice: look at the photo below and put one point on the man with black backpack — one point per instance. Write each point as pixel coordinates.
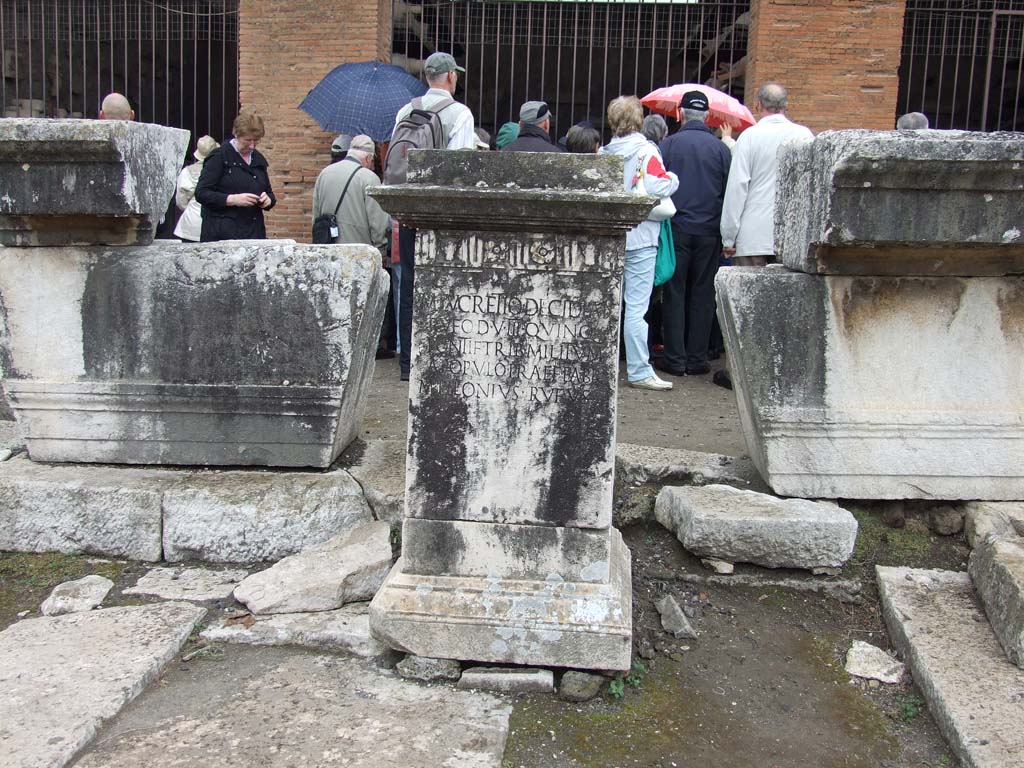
(433, 121)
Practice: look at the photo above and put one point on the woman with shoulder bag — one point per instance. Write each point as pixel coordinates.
(234, 187)
(644, 174)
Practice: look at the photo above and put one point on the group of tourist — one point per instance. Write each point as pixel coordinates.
(722, 190)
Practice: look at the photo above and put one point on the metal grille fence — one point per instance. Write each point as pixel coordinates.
(963, 63)
(175, 60)
(577, 56)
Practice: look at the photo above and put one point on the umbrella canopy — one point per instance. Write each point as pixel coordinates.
(722, 108)
(361, 97)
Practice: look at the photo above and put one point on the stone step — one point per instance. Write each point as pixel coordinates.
(973, 692)
(997, 571)
(63, 676)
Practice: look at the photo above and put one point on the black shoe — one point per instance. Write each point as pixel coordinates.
(403, 376)
(722, 379)
(661, 365)
(698, 370)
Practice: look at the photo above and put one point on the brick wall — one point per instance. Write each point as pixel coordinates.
(285, 48)
(837, 58)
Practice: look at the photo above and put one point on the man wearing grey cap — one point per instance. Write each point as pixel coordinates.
(534, 127)
(442, 75)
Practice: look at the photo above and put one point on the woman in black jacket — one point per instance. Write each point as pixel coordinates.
(234, 188)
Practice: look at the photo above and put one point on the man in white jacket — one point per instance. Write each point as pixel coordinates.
(748, 213)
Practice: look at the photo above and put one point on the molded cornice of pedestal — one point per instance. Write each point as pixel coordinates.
(549, 192)
(85, 182)
(862, 202)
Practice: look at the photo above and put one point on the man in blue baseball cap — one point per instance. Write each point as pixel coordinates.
(693, 153)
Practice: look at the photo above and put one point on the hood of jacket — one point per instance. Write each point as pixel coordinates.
(626, 146)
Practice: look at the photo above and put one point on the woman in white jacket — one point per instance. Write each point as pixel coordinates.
(191, 222)
(642, 159)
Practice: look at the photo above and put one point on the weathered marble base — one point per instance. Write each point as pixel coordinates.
(173, 514)
(878, 388)
(545, 623)
(179, 424)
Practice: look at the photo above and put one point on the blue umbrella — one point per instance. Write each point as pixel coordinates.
(361, 97)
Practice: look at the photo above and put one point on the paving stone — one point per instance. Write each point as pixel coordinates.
(871, 662)
(63, 676)
(75, 596)
(673, 620)
(10, 435)
(973, 692)
(507, 680)
(195, 584)
(282, 709)
(580, 686)
(249, 516)
(992, 517)
(346, 629)
(427, 670)
(996, 567)
(347, 568)
(745, 526)
(74, 508)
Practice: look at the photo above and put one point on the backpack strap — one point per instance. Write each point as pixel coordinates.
(343, 191)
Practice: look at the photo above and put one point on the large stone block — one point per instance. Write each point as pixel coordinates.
(233, 353)
(902, 203)
(997, 570)
(99, 510)
(241, 517)
(741, 526)
(878, 388)
(84, 182)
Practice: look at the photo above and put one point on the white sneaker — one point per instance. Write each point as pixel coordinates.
(653, 383)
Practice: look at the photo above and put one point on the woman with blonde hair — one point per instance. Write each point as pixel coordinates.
(642, 161)
(190, 224)
(234, 187)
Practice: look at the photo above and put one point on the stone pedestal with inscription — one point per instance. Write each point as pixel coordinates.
(509, 554)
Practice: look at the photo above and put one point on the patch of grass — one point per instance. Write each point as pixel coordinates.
(26, 579)
(877, 543)
(617, 688)
(910, 706)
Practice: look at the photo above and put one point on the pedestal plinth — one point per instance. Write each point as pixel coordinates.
(508, 550)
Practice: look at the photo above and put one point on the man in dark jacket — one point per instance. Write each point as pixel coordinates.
(697, 157)
(534, 124)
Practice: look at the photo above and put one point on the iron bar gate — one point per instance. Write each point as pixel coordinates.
(963, 63)
(175, 60)
(577, 56)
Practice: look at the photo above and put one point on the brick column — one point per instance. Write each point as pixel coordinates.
(837, 58)
(285, 48)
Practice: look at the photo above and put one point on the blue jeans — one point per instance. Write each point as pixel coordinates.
(396, 282)
(637, 284)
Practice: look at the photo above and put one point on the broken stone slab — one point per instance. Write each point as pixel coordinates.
(673, 620)
(959, 197)
(739, 526)
(75, 596)
(64, 676)
(250, 516)
(507, 680)
(277, 708)
(84, 182)
(872, 663)
(578, 686)
(379, 467)
(931, 617)
(96, 510)
(193, 584)
(10, 436)
(825, 412)
(233, 353)
(346, 629)
(347, 568)
(718, 566)
(414, 667)
(996, 567)
(640, 464)
(992, 518)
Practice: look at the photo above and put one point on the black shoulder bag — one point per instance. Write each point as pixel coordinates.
(325, 226)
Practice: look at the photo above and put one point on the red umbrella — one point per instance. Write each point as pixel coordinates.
(722, 108)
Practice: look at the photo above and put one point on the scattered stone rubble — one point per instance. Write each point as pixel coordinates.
(192, 584)
(75, 596)
(871, 662)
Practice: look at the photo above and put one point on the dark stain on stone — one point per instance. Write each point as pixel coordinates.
(1010, 300)
(432, 548)
(866, 300)
(111, 319)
